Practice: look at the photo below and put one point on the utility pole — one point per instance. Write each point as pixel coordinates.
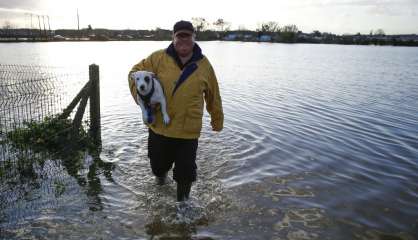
(78, 25)
(49, 27)
(40, 29)
(43, 21)
(26, 26)
(31, 26)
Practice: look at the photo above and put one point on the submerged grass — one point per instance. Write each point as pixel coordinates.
(39, 141)
(50, 135)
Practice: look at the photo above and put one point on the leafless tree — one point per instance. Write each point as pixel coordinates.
(290, 28)
(379, 32)
(220, 24)
(199, 23)
(269, 27)
(288, 33)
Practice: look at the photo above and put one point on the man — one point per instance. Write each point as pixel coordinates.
(187, 78)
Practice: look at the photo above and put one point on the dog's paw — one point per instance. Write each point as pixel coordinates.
(166, 119)
(145, 118)
(151, 119)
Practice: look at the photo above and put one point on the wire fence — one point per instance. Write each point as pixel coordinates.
(32, 93)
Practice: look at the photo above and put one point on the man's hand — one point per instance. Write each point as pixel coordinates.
(216, 128)
(216, 124)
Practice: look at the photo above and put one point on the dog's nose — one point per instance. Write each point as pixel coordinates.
(142, 87)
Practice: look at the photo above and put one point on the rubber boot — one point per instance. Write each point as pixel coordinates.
(161, 180)
(183, 191)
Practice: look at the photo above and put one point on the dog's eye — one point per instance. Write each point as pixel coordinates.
(137, 79)
(146, 79)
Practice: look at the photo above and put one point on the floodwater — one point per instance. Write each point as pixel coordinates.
(320, 142)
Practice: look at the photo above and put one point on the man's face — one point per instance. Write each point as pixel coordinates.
(183, 42)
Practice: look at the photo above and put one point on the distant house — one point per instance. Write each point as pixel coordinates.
(264, 38)
(59, 38)
(101, 37)
(230, 37)
(406, 38)
(150, 36)
(248, 37)
(303, 36)
(124, 37)
(317, 38)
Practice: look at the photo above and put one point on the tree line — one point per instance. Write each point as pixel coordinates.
(220, 29)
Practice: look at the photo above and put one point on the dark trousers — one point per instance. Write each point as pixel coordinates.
(163, 152)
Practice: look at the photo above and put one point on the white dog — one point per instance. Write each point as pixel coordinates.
(150, 92)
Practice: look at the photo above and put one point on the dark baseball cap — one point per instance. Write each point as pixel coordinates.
(183, 25)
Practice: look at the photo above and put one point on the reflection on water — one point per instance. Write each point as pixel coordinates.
(320, 142)
(36, 181)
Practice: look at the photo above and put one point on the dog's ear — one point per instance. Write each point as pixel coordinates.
(153, 75)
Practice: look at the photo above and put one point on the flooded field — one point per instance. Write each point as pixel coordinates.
(320, 142)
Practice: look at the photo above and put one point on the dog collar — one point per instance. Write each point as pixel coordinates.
(147, 98)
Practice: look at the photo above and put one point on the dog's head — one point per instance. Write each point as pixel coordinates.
(143, 81)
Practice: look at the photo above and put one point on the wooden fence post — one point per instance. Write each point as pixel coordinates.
(85, 91)
(95, 131)
(79, 115)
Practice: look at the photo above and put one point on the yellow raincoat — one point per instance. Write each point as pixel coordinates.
(185, 94)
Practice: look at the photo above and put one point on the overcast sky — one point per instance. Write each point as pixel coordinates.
(337, 16)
